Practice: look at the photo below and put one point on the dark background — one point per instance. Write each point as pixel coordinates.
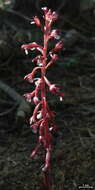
(73, 158)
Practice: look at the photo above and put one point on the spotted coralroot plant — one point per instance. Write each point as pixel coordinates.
(42, 121)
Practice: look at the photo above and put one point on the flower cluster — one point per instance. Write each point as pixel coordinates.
(43, 119)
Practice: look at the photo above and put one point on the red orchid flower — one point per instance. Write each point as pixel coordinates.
(36, 21)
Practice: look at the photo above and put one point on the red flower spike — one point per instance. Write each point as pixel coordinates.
(42, 121)
(36, 21)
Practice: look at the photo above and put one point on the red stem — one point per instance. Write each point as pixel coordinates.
(47, 183)
(43, 71)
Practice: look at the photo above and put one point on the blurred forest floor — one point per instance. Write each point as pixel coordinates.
(73, 162)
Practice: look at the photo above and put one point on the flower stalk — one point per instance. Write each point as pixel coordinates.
(42, 120)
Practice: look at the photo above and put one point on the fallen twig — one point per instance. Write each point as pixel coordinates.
(24, 108)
